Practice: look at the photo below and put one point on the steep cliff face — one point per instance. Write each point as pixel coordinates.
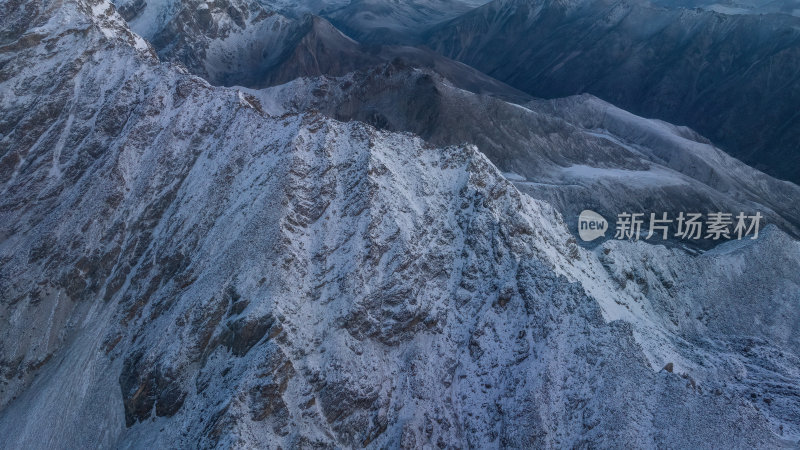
(179, 268)
(733, 78)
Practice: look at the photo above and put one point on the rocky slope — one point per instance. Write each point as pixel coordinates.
(378, 21)
(248, 43)
(733, 78)
(239, 42)
(576, 153)
(180, 268)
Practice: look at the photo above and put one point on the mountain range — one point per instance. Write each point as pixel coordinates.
(230, 224)
(733, 78)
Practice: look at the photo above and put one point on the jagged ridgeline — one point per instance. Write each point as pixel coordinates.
(189, 265)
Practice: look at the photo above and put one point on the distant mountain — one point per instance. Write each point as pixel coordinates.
(241, 43)
(297, 9)
(791, 7)
(391, 21)
(733, 78)
(378, 21)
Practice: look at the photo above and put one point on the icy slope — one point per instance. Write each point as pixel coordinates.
(179, 268)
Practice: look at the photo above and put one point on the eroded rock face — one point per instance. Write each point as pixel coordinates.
(146, 387)
(194, 271)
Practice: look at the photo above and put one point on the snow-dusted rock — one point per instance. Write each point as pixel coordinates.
(576, 153)
(179, 268)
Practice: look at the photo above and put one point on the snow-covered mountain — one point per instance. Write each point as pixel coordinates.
(733, 78)
(230, 43)
(184, 265)
(391, 21)
(576, 153)
(378, 21)
(245, 43)
(737, 7)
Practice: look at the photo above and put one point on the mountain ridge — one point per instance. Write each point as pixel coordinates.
(183, 268)
(733, 79)
(575, 153)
